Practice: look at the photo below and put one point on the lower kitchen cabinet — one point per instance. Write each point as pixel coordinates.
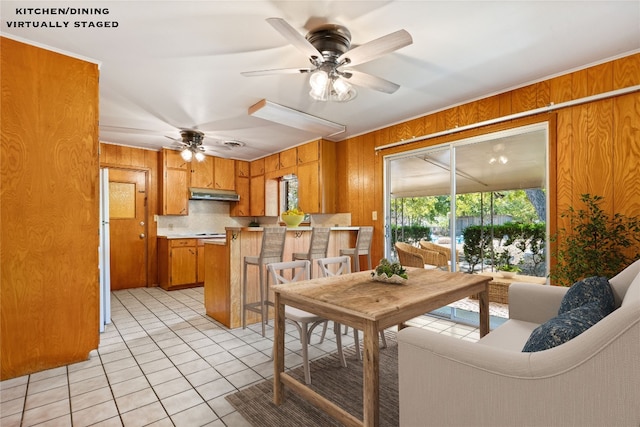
(180, 263)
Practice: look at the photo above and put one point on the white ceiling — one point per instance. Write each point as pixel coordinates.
(176, 64)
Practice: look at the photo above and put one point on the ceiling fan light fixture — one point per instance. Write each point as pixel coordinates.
(186, 154)
(199, 156)
(330, 87)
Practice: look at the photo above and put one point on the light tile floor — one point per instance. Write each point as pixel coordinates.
(163, 362)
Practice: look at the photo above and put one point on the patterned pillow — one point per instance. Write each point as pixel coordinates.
(564, 327)
(591, 289)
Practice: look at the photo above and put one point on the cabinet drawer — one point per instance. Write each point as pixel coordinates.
(178, 243)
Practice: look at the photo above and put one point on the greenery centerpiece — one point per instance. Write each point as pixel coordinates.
(389, 272)
(292, 217)
(596, 244)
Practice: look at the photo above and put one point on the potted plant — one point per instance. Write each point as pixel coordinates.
(596, 244)
(508, 270)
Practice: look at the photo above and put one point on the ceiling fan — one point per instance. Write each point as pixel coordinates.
(328, 48)
(191, 145)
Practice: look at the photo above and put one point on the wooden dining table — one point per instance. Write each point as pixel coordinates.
(358, 301)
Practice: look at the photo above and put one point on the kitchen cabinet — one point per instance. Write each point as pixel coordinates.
(288, 158)
(242, 208)
(256, 167)
(316, 173)
(257, 202)
(174, 183)
(202, 173)
(242, 168)
(224, 172)
(180, 263)
(272, 163)
(309, 152)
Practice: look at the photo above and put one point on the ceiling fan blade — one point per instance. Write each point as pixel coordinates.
(294, 37)
(376, 48)
(276, 71)
(372, 82)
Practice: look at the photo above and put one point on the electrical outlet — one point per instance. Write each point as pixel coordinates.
(374, 215)
(155, 218)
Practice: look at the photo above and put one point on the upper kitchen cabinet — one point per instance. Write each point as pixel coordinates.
(174, 183)
(272, 163)
(316, 173)
(202, 173)
(288, 158)
(242, 208)
(242, 168)
(257, 167)
(224, 173)
(310, 152)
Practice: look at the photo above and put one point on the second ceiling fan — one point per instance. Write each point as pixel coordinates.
(328, 48)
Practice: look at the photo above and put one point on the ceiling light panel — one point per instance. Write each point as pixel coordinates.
(280, 114)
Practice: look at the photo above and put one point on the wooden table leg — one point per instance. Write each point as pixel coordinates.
(483, 299)
(371, 382)
(278, 351)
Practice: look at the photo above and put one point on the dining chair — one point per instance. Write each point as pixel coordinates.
(318, 246)
(363, 247)
(335, 266)
(305, 322)
(271, 250)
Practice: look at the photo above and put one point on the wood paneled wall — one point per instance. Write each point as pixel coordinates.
(49, 209)
(118, 156)
(597, 143)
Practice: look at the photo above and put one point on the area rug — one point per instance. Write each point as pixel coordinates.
(342, 386)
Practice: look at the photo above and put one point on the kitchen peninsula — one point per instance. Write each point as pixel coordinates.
(224, 261)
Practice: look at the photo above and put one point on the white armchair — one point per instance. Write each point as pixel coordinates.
(591, 380)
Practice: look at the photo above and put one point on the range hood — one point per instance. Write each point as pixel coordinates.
(210, 194)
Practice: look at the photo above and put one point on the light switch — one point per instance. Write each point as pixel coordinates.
(374, 215)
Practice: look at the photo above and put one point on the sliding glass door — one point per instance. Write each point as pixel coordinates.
(482, 199)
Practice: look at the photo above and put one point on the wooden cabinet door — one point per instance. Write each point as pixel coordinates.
(183, 265)
(176, 192)
(242, 168)
(224, 172)
(288, 158)
(257, 195)
(309, 187)
(202, 173)
(173, 159)
(174, 183)
(200, 262)
(309, 152)
(257, 167)
(242, 208)
(272, 163)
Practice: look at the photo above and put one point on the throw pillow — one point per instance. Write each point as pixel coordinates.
(564, 327)
(591, 289)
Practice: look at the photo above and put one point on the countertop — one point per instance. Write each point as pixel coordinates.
(305, 228)
(206, 236)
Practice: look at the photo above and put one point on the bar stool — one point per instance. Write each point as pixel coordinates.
(318, 246)
(271, 251)
(363, 247)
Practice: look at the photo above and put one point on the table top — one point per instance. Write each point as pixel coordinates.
(357, 294)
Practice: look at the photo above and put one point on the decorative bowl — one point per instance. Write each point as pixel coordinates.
(292, 220)
(394, 279)
(508, 274)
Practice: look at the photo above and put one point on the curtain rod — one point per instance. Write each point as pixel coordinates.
(548, 108)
